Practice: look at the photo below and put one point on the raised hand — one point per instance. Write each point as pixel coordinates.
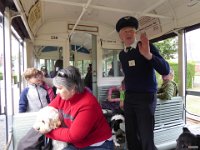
(144, 47)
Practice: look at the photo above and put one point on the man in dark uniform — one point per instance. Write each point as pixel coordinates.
(139, 61)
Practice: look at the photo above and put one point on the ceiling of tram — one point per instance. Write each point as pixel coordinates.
(17, 22)
(168, 15)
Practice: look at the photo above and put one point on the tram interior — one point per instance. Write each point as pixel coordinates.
(82, 32)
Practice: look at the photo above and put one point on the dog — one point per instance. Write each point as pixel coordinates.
(48, 119)
(188, 140)
(115, 119)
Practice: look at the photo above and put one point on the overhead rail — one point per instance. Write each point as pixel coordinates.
(113, 9)
(79, 18)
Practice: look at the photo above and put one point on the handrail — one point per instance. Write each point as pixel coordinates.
(192, 92)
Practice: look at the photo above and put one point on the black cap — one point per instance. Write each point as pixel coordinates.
(127, 21)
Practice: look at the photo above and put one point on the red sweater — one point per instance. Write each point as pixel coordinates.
(84, 119)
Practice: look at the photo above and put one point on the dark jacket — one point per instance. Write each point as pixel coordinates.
(141, 78)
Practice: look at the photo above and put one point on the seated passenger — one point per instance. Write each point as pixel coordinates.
(168, 88)
(114, 94)
(85, 126)
(122, 95)
(113, 99)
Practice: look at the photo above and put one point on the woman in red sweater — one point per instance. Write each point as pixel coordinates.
(85, 125)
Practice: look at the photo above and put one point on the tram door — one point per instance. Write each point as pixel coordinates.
(83, 56)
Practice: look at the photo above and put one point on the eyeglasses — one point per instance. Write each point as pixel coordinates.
(68, 77)
(43, 67)
(62, 74)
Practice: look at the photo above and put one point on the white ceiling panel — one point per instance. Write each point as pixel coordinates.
(173, 14)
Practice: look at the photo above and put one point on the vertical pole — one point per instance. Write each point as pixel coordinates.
(94, 65)
(115, 64)
(182, 66)
(75, 56)
(182, 63)
(8, 72)
(66, 53)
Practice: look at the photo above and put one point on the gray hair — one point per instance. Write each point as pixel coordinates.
(70, 78)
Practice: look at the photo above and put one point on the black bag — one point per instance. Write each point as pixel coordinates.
(34, 140)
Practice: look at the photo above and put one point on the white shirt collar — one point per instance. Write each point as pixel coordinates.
(134, 45)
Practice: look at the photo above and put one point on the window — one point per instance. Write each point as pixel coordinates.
(2, 91)
(111, 63)
(82, 66)
(193, 66)
(17, 67)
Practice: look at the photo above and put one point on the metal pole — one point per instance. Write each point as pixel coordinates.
(8, 72)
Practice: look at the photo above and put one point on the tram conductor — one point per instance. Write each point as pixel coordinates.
(139, 59)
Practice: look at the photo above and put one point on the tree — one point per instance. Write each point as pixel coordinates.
(168, 48)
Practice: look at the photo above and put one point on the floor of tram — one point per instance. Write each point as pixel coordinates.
(2, 132)
(193, 125)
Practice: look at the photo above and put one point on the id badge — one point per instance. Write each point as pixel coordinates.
(131, 63)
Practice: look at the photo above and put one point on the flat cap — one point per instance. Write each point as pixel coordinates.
(127, 21)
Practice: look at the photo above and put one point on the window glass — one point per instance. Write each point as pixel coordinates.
(168, 49)
(192, 41)
(15, 58)
(2, 91)
(82, 66)
(111, 63)
(2, 88)
(193, 67)
(15, 47)
(21, 66)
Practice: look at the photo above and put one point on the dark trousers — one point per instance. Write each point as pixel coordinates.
(139, 109)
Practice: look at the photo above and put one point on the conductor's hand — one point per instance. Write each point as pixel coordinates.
(144, 47)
